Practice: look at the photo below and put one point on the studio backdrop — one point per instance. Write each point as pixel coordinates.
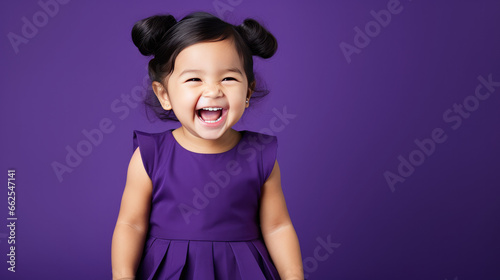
(386, 114)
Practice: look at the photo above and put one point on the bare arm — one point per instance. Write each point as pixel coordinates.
(277, 229)
(133, 221)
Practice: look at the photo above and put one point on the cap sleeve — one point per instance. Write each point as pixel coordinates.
(147, 145)
(269, 155)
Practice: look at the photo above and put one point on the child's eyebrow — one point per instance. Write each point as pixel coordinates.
(234, 69)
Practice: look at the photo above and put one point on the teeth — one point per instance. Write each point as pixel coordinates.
(211, 109)
(213, 121)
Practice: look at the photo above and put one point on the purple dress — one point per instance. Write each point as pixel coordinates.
(204, 221)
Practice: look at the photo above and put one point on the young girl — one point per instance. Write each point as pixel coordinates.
(203, 201)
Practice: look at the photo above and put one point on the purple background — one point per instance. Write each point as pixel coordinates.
(352, 122)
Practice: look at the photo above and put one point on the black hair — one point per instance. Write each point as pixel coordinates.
(163, 37)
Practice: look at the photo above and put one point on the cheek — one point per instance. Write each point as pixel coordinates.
(183, 98)
(237, 100)
(241, 93)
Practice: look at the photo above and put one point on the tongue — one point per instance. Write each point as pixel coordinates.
(210, 115)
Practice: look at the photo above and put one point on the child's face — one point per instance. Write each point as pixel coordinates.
(208, 74)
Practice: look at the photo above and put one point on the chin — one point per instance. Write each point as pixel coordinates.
(208, 133)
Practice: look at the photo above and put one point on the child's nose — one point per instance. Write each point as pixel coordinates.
(212, 90)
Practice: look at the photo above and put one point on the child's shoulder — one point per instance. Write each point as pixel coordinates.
(148, 144)
(263, 137)
(148, 140)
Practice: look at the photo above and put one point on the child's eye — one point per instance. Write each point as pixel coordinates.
(193, 80)
(229, 79)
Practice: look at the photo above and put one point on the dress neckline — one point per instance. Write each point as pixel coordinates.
(242, 132)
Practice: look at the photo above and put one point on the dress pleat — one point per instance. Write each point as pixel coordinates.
(200, 262)
(225, 263)
(173, 265)
(248, 266)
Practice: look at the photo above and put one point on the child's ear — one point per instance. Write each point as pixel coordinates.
(161, 94)
(251, 89)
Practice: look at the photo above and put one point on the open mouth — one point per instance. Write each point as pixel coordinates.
(210, 114)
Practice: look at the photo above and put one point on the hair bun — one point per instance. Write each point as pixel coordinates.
(260, 41)
(147, 33)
